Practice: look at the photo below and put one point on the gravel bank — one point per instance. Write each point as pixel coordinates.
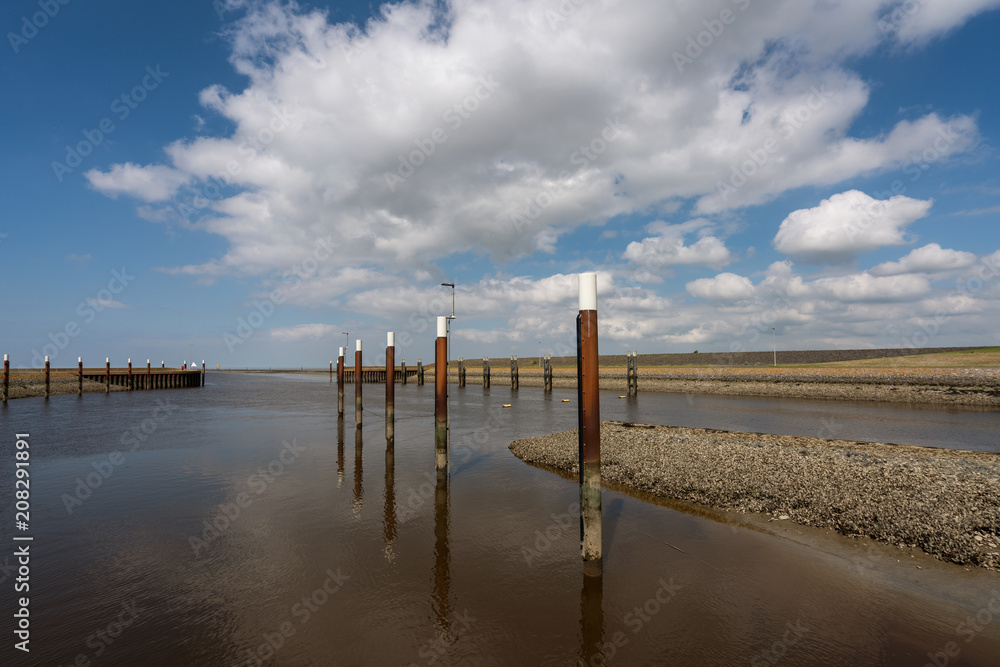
(946, 502)
(26, 388)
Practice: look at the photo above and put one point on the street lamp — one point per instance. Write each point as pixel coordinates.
(347, 341)
(774, 348)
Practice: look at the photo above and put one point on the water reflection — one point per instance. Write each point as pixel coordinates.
(591, 620)
(390, 501)
(442, 553)
(359, 491)
(340, 451)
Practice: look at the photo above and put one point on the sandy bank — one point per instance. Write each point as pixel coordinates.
(946, 502)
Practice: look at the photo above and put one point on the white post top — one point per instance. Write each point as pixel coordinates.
(107, 359)
(6, 358)
(46, 358)
(130, 360)
(79, 359)
(390, 339)
(341, 352)
(588, 291)
(147, 362)
(358, 341)
(442, 326)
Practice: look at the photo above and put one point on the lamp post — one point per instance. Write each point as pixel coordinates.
(774, 348)
(347, 340)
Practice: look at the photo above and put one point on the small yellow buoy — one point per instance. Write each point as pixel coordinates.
(565, 400)
(622, 396)
(506, 405)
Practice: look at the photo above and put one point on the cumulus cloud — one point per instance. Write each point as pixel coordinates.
(864, 287)
(668, 247)
(846, 224)
(723, 287)
(422, 133)
(931, 258)
(149, 183)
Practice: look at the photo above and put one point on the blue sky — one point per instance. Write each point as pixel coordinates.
(247, 180)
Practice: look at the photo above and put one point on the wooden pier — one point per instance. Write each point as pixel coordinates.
(377, 374)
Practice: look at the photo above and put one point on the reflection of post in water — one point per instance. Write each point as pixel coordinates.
(592, 620)
(359, 491)
(442, 555)
(390, 500)
(340, 451)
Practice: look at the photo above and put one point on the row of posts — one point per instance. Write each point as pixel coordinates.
(133, 380)
(589, 417)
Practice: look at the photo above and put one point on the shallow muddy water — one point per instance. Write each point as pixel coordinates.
(241, 524)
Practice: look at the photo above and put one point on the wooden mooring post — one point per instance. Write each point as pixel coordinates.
(79, 376)
(441, 394)
(587, 369)
(461, 372)
(390, 386)
(420, 371)
(632, 372)
(357, 385)
(203, 372)
(515, 379)
(129, 380)
(547, 372)
(486, 372)
(402, 370)
(340, 383)
(6, 377)
(46, 376)
(107, 375)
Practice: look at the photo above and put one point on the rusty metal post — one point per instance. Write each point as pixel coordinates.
(340, 383)
(420, 370)
(587, 368)
(547, 373)
(6, 377)
(79, 376)
(390, 386)
(46, 376)
(441, 394)
(163, 364)
(107, 375)
(331, 372)
(515, 379)
(486, 372)
(203, 372)
(129, 380)
(357, 384)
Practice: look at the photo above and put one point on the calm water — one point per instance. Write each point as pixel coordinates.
(243, 525)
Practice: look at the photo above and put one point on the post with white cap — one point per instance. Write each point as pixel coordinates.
(340, 383)
(202, 372)
(587, 369)
(130, 373)
(79, 376)
(441, 395)
(357, 384)
(390, 385)
(46, 376)
(107, 375)
(6, 377)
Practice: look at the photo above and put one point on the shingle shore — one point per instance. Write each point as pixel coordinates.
(946, 502)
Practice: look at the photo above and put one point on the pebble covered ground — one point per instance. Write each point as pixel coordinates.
(946, 502)
(952, 386)
(27, 387)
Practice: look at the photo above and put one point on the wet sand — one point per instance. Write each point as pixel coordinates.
(29, 387)
(945, 502)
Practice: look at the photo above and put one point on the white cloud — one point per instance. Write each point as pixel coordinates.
(409, 145)
(846, 224)
(864, 287)
(912, 21)
(931, 258)
(152, 183)
(304, 332)
(723, 287)
(668, 247)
